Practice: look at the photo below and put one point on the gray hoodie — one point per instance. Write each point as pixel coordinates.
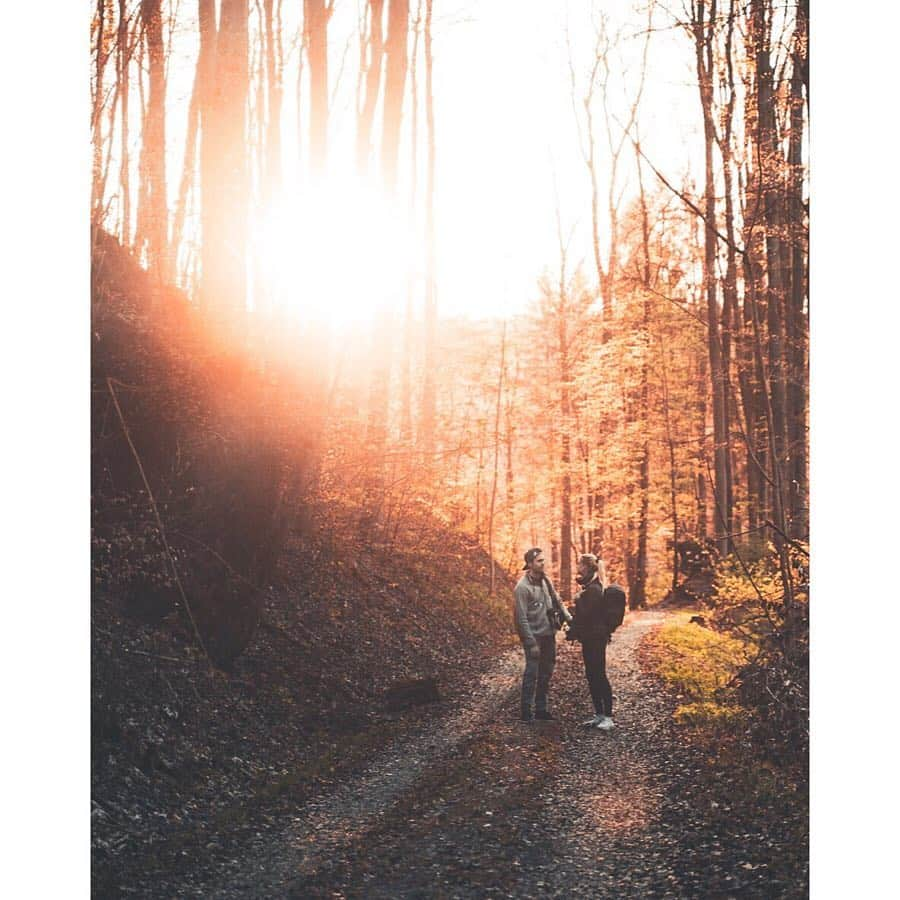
(533, 603)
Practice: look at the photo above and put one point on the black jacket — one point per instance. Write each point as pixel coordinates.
(589, 623)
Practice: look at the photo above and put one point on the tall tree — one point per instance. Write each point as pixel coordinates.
(224, 161)
(501, 371)
(394, 89)
(156, 217)
(100, 55)
(599, 88)
(316, 16)
(188, 169)
(638, 593)
(703, 23)
(274, 70)
(124, 59)
(429, 399)
(406, 417)
(371, 62)
(798, 433)
(770, 178)
(210, 222)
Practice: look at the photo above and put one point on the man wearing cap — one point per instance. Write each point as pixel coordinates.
(536, 608)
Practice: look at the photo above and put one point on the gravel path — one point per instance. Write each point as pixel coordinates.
(476, 803)
(327, 824)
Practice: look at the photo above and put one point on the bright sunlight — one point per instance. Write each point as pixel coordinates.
(337, 254)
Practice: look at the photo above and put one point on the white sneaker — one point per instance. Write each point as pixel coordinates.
(592, 723)
(605, 723)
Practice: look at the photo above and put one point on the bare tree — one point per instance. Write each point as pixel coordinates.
(406, 421)
(501, 370)
(188, 169)
(599, 84)
(429, 400)
(275, 90)
(153, 158)
(394, 89)
(769, 165)
(638, 594)
(124, 59)
(703, 23)
(798, 434)
(316, 16)
(210, 224)
(100, 56)
(224, 159)
(372, 48)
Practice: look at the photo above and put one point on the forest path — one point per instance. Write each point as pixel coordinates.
(484, 805)
(330, 822)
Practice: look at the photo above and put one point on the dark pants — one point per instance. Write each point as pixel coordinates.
(594, 652)
(536, 680)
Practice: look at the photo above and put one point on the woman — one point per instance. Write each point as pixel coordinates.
(590, 627)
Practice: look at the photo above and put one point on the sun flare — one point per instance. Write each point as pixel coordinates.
(336, 254)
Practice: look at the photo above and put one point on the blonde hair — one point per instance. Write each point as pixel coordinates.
(596, 564)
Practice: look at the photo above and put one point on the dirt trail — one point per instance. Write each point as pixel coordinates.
(327, 824)
(479, 804)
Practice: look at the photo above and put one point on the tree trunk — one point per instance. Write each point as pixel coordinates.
(798, 433)
(97, 115)
(274, 63)
(224, 160)
(758, 488)
(154, 156)
(670, 443)
(124, 170)
(394, 89)
(565, 408)
(502, 369)
(406, 423)
(211, 225)
(316, 14)
(639, 586)
(188, 170)
(372, 85)
(702, 527)
(703, 38)
(140, 231)
(429, 399)
(770, 162)
(509, 442)
(730, 291)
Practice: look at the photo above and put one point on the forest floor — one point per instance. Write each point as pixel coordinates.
(467, 801)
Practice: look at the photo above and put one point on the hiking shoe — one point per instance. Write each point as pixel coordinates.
(544, 716)
(605, 724)
(591, 723)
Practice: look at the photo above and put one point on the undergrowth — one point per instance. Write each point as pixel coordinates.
(701, 664)
(742, 667)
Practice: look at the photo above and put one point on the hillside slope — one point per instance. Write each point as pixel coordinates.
(188, 755)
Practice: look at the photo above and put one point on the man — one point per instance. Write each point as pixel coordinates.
(536, 608)
(590, 626)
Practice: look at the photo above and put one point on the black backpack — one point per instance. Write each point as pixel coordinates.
(614, 606)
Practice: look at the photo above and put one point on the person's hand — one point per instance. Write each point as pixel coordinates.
(534, 652)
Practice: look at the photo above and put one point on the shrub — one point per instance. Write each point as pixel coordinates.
(701, 665)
